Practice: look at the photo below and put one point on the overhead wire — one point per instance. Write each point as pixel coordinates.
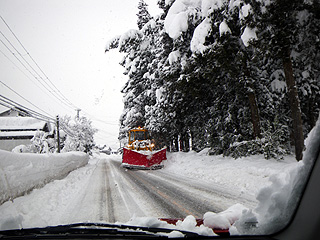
(16, 66)
(99, 120)
(24, 111)
(23, 97)
(55, 97)
(28, 110)
(51, 88)
(57, 90)
(59, 95)
(32, 74)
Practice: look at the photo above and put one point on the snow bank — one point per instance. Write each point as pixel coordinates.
(243, 176)
(22, 172)
(225, 219)
(278, 201)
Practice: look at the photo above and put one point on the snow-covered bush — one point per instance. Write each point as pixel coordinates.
(40, 143)
(79, 136)
(272, 144)
(20, 149)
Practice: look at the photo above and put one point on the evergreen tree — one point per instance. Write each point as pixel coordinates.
(143, 14)
(281, 36)
(224, 77)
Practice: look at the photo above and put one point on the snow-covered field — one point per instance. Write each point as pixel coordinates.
(276, 186)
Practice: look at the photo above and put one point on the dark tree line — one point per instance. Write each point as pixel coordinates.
(240, 79)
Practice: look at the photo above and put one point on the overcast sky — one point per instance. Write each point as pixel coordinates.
(67, 40)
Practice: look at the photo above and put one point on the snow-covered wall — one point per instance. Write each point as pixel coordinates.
(22, 172)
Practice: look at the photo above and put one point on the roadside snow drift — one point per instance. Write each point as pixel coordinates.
(22, 172)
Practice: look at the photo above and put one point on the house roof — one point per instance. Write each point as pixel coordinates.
(21, 123)
(17, 134)
(14, 112)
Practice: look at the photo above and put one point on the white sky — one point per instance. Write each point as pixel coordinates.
(67, 40)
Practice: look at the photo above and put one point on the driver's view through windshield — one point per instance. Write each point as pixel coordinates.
(173, 118)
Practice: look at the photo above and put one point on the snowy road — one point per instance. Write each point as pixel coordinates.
(117, 194)
(103, 191)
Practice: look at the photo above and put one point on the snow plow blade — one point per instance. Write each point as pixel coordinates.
(143, 160)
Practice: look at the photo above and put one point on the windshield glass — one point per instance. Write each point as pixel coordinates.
(228, 90)
(140, 135)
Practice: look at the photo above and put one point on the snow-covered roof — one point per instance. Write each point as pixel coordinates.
(21, 123)
(18, 134)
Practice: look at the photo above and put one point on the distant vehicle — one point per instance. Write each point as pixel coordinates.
(140, 153)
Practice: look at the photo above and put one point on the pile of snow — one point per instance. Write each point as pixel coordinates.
(22, 172)
(189, 224)
(224, 28)
(278, 201)
(245, 176)
(211, 221)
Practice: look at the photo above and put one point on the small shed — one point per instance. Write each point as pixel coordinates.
(17, 130)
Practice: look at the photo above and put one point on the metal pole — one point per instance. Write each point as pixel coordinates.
(78, 113)
(58, 134)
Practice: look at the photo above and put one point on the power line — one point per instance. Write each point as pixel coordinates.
(33, 74)
(19, 106)
(20, 69)
(99, 120)
(23, 97)
(57, 90)
(24, 113)
(61, 97)
(4, 101)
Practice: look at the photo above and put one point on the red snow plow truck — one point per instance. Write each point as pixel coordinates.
(140, 152)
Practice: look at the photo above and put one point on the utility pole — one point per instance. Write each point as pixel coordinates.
(58, 134)
(78, 113)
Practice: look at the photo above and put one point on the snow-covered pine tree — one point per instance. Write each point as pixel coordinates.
(215, 73)
(143, 14)
(279, 34)
(306, 62)
(142, 50)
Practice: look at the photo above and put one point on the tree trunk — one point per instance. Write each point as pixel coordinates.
(176, 144)
(294, 106)
(255, 119)
(254, 114)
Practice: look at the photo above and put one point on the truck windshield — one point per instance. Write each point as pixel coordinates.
(140, 135)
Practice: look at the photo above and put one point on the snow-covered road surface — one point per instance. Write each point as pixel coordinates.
(103, 191)
(117, 194)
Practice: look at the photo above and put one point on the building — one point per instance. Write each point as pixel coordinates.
(18, 128)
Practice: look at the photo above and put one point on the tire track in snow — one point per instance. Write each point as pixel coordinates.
(127, 202)
(176, 203)
(221, 196)
(106, 201)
